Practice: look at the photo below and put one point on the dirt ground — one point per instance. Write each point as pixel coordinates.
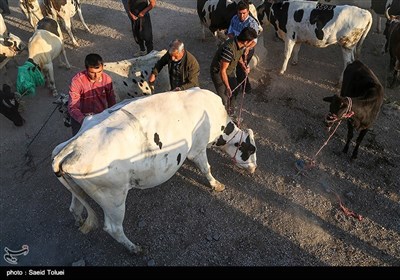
(275, 217)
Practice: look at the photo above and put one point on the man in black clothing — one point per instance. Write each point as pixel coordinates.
(141, 24)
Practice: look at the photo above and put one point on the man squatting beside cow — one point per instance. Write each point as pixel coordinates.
(91, 92)
(241, 20)
(183, 68)
(138, 13)
(224, 63)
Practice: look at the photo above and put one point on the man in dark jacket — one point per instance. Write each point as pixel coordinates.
(223, 66)
(183, 67)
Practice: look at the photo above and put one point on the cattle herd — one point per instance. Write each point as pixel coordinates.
(80, 165)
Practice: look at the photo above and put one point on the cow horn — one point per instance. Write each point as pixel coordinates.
(387, 13)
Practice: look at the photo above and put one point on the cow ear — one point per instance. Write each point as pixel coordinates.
(328, 99)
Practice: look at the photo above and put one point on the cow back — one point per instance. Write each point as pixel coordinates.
(50, 25)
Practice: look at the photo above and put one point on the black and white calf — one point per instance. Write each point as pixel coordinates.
(317, 25)
(9, 106)
(359, 102)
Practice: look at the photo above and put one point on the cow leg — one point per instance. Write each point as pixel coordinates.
(76, 208)
(350, 133)
(348, 57)
(67, 64)
(113, 204)
(289, 44)
(48, 69)
(202, 163)
(82, 20)
(358, 142)
(67, 24)
(296, 50)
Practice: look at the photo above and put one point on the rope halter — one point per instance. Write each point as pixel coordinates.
(331, 118)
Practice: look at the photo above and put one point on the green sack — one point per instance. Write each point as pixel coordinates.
(29, 77)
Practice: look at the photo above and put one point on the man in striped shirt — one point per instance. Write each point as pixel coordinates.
(91, 92)
(241, 20)
(224, 63)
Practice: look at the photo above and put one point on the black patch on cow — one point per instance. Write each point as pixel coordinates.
(222, 127)
(220, 141)
(320, 16)
(125, 83)
(247, 149)
(280, 14)
(298, 15)
(157, 140)
(48, 24)
(134, 81)
(220, 17)
(141, 84)
(178, 158)
(229, 128)
(147, 88)
(294, 35)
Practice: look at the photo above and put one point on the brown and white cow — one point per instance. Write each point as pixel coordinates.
(318, 25)
(44, 45)
(35, 10)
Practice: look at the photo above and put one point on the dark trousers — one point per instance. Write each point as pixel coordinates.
(4, 7)
(143, 32)
(241, 75)
(221, 91)
(75, 126)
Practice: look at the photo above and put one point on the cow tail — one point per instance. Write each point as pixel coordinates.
(361, 41)
(91, 221)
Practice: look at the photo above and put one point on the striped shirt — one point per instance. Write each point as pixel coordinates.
(237, 26)
(230, 52)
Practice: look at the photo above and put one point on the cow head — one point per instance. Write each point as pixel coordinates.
(266, 8)
(9, 106)
(239, 145)
(340, 108)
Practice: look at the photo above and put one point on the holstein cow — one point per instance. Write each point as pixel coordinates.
(317, 25)
(10, 45)
(34, 10)
(360, 100)
(44, 45)
(9, 106)
(141, 143)
(378, 6)
(392, 32)
(216, 15)
(130, 77)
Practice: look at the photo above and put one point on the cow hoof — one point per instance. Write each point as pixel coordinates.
(218, 188)
(136, 250)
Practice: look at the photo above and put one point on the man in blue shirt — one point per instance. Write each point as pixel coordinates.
(238, 22)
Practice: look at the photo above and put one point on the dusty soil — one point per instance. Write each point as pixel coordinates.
(276, 217)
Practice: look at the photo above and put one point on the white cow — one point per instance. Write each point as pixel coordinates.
(44, 45)
(318, 25)
(141, 143)
(34, 11)
(130, 77)
(10, 45)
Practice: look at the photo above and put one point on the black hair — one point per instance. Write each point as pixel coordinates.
(93, 60)
(247, 34)
(242, 5)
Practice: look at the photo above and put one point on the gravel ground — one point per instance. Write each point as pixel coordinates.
(275, 217)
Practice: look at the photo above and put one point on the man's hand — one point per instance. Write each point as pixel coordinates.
(133, 17)
(141, 14)
(228, 92)
(152, 78)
